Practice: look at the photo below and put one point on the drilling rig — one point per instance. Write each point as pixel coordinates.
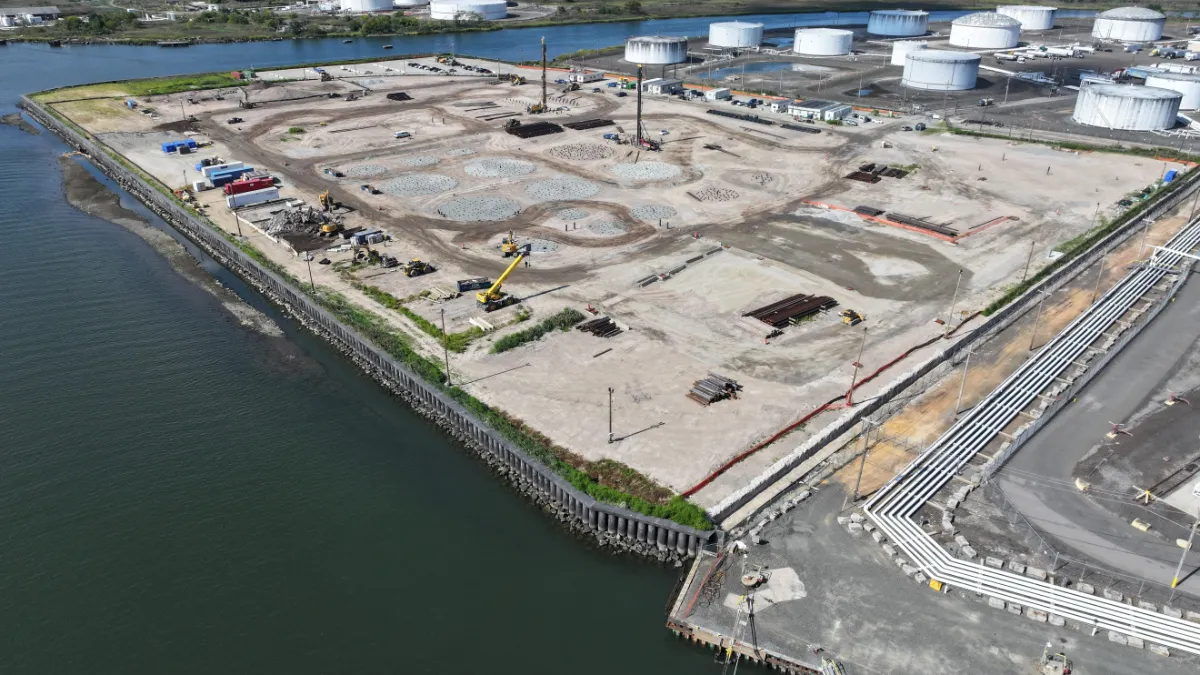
(539, 108)
(639, 106)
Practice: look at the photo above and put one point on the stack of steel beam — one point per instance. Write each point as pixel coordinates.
(535, 129)
(921, 223)
(793, 309)
(713, 388)
(589, 124)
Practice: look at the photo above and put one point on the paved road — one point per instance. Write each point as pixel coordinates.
(1039, 482)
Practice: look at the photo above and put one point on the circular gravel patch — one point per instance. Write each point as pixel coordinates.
(417, 184)
(715, 194)
(645, 171)
(653, 212)
(457, 152)
(479, 208)
(572, 214)
(608, 228)
(540, 245)
(365, 171)
(581, 152)
(419, 160)
(499, 168)
(562, 188)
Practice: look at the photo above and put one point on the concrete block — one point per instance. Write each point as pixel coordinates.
(908, 570)
(1014, 609)
(855, 528)
(920, 578)
(996, 603)
(1142, 604)
(869, 526)
(1116, 637)
(948, 522)
(856, 518)
(843, 520)
(889, 550)
(961, 540)
(801, 497)
(967, 552)
(1135, 642)
(1192, 616)
(951, 504)
(900, 562)
(1056, 620)
(1160, 650)
(877, 536)
(993, 562)
(1173, 612)
(1086, 588)
(1016, 567)
(1036, 573)
(1036, 615)
(1114, 595)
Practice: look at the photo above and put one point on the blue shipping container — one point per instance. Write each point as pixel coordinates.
(1170, 176)
(233, 173)
(172, 146)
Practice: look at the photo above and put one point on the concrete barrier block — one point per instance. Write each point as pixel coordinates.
(1036, 573)
(1016, 567)
(1116, 637)
(967, 552)
(1036, 615)
(920, 578)
(951, 504)
(856, 518)
(908, 570)
(889, 550)
(855, 528)
(1086, 588)
(1192, 616)
(961, 540)
(997, 603)
(1135, 642)
(843, 520)
(993, 562)
(1173, 612)
(1142, 604)
(1114, 595)
(1014, 609)
(801, 497)
(869, 526)
(901, 562)
(877, 536)
(1056, 620)
(1160, 650)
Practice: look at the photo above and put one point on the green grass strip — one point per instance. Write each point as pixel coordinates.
(563, 320)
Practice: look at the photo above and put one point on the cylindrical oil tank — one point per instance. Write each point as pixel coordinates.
(898, 22)
(1129, 24)
(735, 34)
(822, 41)
(1132, 108)
(484, 9)
(985, 30)
(656, 50)
(401, 4)
(1031, 17)
(940, 70)
(366, 5)
(901, 48)
(1187, 84)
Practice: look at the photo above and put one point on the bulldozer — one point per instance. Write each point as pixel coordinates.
(574, 86)
(512, 124)
(494, 298)
(416, 267)
(851, 317)
(508, 246)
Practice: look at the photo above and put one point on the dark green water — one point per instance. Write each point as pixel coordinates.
(181, 495)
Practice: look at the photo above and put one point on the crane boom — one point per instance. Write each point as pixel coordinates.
(494, 298)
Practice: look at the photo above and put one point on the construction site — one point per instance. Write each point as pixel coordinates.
(739, 282)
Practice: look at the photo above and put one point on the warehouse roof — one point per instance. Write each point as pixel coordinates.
(15, 11)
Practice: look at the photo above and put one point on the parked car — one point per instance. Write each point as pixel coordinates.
(905, 128)
(403, 134)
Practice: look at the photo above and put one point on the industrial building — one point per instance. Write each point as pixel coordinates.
(660, 86)
(818, 109)
(940, 70)
(585, 76)
(1187, 84)
(365, 6)
(1127, 107)
(656, 50)
(985, 30)
(735, 34)
(822, 41)
(1031, 17)
(1129, 24)
(898, 22)
(901, 48)
(484, 9)
(27, 16)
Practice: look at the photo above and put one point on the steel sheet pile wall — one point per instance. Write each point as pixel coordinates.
(1031, 17)
(735, 34)
(659, 51)
(585, 511)
(898, 22)
(1127, 107)
(822, 41)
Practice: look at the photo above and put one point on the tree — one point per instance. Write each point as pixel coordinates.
(633, 7)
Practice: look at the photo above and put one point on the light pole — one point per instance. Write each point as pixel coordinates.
(857, 364)
(866, 423)
(963, 384)
(1028, 261)
(308, 263)
(1037, 318)
(953, 302)
(1099, 274)
(610, 431)
(1182, 557)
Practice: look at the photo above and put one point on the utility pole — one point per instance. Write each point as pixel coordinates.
(963, 384)
(1183, 557)
(1099, 274)
(1145, 235)
(866, 424)
(1194, 200)
(1037, 318)
(1028, 261)
(308, 262)
(610, 431)
(446, 346)
(953, 302)
(857, 364)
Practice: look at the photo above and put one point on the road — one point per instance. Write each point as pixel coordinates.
(1039, 481)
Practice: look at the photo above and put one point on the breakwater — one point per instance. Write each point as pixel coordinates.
(610, 525)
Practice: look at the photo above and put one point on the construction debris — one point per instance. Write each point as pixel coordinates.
(399, 96)
(603, 327)
(792, 310)
(302, 219)
(712, 389)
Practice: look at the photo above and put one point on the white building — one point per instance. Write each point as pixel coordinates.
(659, 86)
(818, 109)
(782, 106)
(27, 16)
(583, 77)
(718, 94)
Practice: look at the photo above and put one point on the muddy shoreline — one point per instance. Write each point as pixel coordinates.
(84, 192)
(18, 121)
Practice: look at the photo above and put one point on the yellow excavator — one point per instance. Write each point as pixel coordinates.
(328, 203)
(535, 109)
(508, 246)
(494, 298)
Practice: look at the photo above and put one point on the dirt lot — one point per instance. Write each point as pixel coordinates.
(601, 216)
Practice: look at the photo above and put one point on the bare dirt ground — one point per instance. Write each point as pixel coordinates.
(745, 198)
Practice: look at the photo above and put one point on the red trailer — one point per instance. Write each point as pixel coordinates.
(237, 187)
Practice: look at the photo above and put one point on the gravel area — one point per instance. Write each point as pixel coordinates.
(645, 171)
(499, 168)
(572, 214)
(562, 188)
(608, 228)
(479, 208)
(762, 178)
(458, 152)
(419, 160)
(715, 194)
(653, 212)
(540, 245)
(365, 171)
(417, 184)
(581, 152)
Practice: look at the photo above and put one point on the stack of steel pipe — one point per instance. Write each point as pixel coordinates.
(713, 388)
(789, 310)
(589, 124)
(603, 327)
(534, 129)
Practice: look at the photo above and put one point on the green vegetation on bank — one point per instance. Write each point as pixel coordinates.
(455, 342)
(174, 85)
(563, 320)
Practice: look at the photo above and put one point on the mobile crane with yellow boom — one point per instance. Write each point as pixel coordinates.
(494, 298)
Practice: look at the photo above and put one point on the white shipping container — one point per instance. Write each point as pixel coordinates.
(208, 171)
(718, 94)
(253, 197)
(199, 186)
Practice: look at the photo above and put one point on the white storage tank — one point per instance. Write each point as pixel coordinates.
(1032, 17)
(1187, 84)
(735, 34)
(361, 6)
(484, 9)
(404, 4)
(1128, 107)
(1129, 24)
(656, 50)
(822, 41)
(898, 22)
(901, 48)
(940, 70)
(985, 30)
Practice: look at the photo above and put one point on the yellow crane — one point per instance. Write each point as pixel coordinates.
(508, 246)
(494, 298)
